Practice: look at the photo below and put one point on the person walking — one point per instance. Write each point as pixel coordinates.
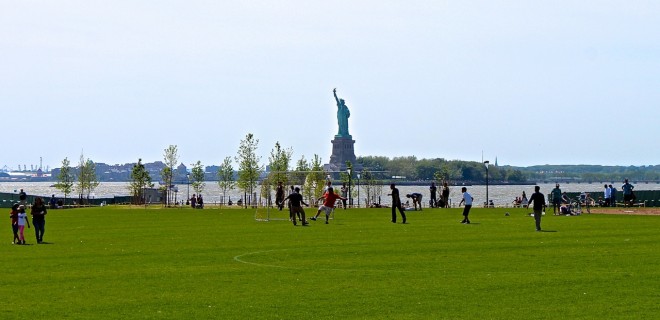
(539, 206)
(13, 215)
(38, 213)
(295, 206)
(467, 199)
(396, 203)
(556, 200)
(22, 221)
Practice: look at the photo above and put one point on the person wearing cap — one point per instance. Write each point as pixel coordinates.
(556, 200)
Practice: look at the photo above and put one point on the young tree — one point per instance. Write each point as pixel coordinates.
(171, 158)
(248, 165)
(197, 175)
(65, 179)
(140, 180)
(226, 177)
(87, 180)
(372, 187)
(299, 174)
(279, 165)
(315, 180)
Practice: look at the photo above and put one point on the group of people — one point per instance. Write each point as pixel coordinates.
(295, 202)
(196, 201)
(19, 219)
(609, 195)
(443, 202)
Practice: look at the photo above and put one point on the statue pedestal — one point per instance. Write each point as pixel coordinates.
(342, 151)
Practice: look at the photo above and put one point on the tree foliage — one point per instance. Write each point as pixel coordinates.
(87, 179)
(315, 179)
(249, 168)
(65, 179)
(226, 176)
(140, 179)
(171, 158)
(197, 176)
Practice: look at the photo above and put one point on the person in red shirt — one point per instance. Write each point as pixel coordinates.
(328, 204)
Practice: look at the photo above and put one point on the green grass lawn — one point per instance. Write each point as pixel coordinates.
(120, 263)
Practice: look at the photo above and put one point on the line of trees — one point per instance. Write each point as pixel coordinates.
(311, 176)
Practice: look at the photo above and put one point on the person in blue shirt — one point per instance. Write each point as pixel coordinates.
(628, 196)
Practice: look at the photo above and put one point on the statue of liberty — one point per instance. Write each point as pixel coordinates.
(342, 116)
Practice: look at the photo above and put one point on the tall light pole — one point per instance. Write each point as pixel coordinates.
(188, 195)
(486, 163)
(358, 176)
(350, 201)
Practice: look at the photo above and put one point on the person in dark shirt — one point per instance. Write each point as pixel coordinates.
(539, 206)
(279, 195)
(445, 195)
(396, 204)
(417, 199)
(434, 191)
(22, 196)
(39, 218)
(296, 202)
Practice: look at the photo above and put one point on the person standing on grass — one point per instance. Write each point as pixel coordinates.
(434, 191)
(22, 197)
(22, 221)
(556, 200)
(295, 206)
(344, 193)
(292, 216)
(467, 199)
(445, 195)
(612, 196)
(607, 195)
(328, 204)
(627, 189)
(13, 215)
(279, 195)
(539, 206)
(39, 218)
(396, 204)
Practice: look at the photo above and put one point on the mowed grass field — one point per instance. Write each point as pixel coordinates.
(136, 263)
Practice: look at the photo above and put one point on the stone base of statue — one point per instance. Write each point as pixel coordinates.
(342, 151)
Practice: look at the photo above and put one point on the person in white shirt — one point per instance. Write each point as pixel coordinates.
(467, 198)
(607, 195)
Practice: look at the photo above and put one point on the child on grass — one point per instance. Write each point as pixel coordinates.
(22, 221)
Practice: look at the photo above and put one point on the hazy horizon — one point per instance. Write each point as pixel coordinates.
(528, 82)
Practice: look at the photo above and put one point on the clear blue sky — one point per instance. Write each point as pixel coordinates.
(528, 82)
